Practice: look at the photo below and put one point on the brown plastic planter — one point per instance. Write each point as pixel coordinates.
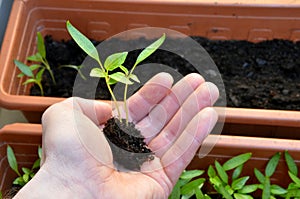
(252, 21)
(25, 139)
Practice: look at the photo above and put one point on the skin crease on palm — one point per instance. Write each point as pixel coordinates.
(77, 161)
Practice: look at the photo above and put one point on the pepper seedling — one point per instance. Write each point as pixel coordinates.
(41, 64)
(112, 62)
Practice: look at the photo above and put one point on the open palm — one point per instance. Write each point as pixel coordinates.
(77, 160)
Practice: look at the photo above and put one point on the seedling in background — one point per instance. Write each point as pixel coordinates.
(41, 64)
(186, 187)
(112, 62)
(219, 178)
(28, 174)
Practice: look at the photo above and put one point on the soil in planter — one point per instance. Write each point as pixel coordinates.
(255, 75)
(127, 144)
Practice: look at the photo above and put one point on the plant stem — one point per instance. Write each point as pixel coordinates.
(41, 88)
(45, 62)
(113, 96)
(125, 104)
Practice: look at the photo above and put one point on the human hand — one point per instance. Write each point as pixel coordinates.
(77, 160)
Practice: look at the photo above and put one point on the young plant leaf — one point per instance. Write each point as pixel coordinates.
(248, 188)
(236, 161)
(291, 163)
(191, 186)
(294, 193)
(216, 181)
(36, 57)
(191, 174)
(34, 67)
(19, 181)
(242, 196)
(40, 45)
(36, 164)
(277, 190)
(211, 172)
(294, 178)
(260, 177)
(221, 189)
(120, 77)
(124, 69)
(272, 164)
(39, 75)
(1, 195)
(97, 72)
(237, 172)
(12, 161)
(239, 183)
(26, 177)
(175, 192)
(134, 78)
(150, 49)
(26, 170)
(266, 194)
(31, 80)
(115, 61)
(222, 173)
(23, 68)
(85, 44)
(40, 151)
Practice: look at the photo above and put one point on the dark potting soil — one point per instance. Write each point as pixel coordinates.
(255, 75)
(127, 144)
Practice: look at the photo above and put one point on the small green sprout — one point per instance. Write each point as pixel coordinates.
(112, 62)
(40, 58)
(77, 68)
(28, 174)
(186, 187)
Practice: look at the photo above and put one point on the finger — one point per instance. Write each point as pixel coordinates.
(204, 96)
(72, 126)
(150, 94)
(164, 111)
(176, 159)
(97, 111)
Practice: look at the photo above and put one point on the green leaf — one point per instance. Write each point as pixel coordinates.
(36, 57)
(229, 190)
(221, 189)
(40, 151)
(120, 77)
(134, 78)
(291, 163)
(191, 186)
(293, 185)
(150, 49)
(222, 173)
(278, 190)
(26, 170)
(12, 161)
(211, 172)
(26, 177)
(236, 161)
(267, 189)
(41, 45)
(294, 178)
(97, 72)
(29, 81)
(260, 177)
(191, 174)
(115, 61)
(239, 183)
(199, 194)
(112, 81)
(36, 164)
(248, 188)
(242, 196)
(83, 42)
(237, 172)
(124, 69)
(19, 181)
(175, 192)
(272, 164)
(39, 75)
(1, 195)
(70, 66)
(216, 181)
(295, 193)
(23, 68)
(34, 67)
